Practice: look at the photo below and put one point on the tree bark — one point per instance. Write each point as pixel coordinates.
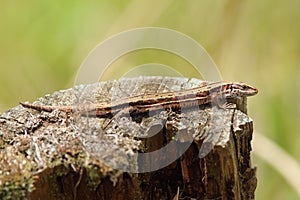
(193, 154)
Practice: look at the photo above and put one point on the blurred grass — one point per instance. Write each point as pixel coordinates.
(43, 43)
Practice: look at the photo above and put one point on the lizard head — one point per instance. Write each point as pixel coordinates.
(242, 90)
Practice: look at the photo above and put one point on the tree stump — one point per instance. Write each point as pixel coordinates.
(192, 154)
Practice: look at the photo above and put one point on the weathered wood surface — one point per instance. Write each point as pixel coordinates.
(54, 156)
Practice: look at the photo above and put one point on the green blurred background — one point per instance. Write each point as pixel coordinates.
(42, 44)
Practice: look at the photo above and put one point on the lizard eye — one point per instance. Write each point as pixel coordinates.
(244, 86)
